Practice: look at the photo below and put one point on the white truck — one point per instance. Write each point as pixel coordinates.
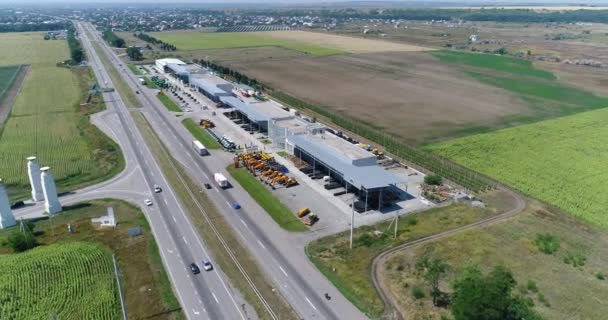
(221, 180)
(199, 148)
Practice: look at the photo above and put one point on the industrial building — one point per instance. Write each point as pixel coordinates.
(329, 155)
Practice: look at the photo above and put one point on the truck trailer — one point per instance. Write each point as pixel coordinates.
(199, 148)
(221, 180)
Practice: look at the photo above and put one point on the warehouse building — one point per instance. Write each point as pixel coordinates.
(162, 64)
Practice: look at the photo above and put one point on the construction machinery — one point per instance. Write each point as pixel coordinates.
(303, 212)
(311, 219)
(206, 123)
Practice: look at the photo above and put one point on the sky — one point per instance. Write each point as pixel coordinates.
(502, 2)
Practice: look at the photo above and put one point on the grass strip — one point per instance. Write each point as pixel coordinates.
(167, 102)
(201, 134)
(123, 89)
(134, 69)
(275, 208)
(182, 185)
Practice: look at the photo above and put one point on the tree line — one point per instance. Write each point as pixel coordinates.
(134, 54)
(76, 51)
(113, 39)
(148, 38)
(34, 27)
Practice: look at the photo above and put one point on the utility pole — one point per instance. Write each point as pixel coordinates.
(396, 223)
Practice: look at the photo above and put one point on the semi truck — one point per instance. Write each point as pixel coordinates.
(221, 180)
(199, 148)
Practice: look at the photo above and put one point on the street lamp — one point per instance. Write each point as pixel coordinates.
(352, 217)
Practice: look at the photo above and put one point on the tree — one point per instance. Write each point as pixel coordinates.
(22, 241)
(134, 53)
(433, 269)
(489, 297)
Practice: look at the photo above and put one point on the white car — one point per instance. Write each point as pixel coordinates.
(207, 265)
(148, 202)
(157, 189)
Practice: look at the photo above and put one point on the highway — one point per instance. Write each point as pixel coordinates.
(203, 296)
(279, 253)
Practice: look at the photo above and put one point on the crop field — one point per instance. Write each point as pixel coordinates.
(348, 44)
(188, 40)
(46, 120)
(559, 161)
(62, 281)
(558, 289)
(7, 76)
(422, 97)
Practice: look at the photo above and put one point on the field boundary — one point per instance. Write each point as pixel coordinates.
(9, 95)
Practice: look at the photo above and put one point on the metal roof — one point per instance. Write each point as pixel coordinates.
(178, 68)
(250, 111)
(368, 177)
(209, 87)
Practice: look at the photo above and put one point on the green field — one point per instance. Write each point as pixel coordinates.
(275, 208)
(47, 120)
(167, 102)
(61, 281)
(564, 291)
(201, 134)
(559, 161)
(224, 40)
(145, 284)
(7, 76)
(489, 61)
(350, 270)
(134, 69)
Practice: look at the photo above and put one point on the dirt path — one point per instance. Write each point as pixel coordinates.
(10, 95)
(391, 311)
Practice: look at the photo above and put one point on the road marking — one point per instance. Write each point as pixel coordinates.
(310, 303)
(183, 237)
(200, 301)
(174, 219)
(228, 203)
(261, 244)
(244, 223)
(169, 250)
(214, 297)
(165, 200)
(283, 270)
(195, 312)
(217, 190)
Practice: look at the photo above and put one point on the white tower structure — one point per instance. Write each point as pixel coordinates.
(33, 171)
(51, 201)
(6, 215)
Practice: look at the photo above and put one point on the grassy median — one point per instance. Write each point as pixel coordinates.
(193, 198)
(201, 135)
(277, 210)
(168, 103)
(134, 69)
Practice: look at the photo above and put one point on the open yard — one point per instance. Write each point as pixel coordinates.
(559, 161)
(48, 121)
(192, 40)
(558, 289)
(7, 76)
(426, 97)
(75, 271)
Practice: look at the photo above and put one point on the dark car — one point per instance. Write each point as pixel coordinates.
(194, 268)
(207, 186)
(17, 205)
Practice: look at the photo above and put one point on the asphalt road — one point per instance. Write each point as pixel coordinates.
(203, 296)
(280, 254)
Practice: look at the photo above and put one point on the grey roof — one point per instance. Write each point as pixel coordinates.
(209, 87)
(250, 111)
(368, 177)
(178, 68)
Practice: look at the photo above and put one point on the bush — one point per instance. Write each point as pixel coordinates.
(417, 293)
(433, 179)
(547, 243)
(600, 276)
(21, 241)
(365, 240)
(532, 286)
(575, 259)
